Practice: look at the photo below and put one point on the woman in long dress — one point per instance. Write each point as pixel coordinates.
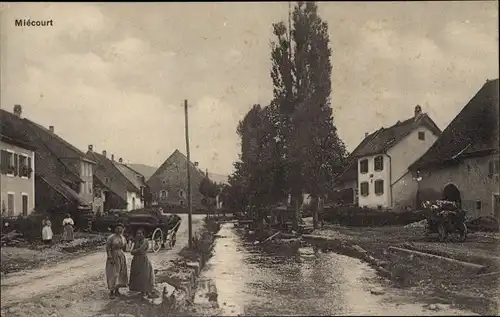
(141, 270)
(116, 263)
(68, 233)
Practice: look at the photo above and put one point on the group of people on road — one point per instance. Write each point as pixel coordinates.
(142, 277)
(68, 233)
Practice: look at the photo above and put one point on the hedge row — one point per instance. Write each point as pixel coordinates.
(366, 217)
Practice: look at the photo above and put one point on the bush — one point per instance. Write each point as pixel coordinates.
(366, 217)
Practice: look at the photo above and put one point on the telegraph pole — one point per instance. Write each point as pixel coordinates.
(190, 210)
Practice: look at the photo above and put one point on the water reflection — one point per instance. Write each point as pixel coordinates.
(265, 280)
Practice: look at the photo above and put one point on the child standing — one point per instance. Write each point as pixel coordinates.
(47, 232)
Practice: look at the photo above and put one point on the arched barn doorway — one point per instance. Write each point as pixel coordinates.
(451, 193)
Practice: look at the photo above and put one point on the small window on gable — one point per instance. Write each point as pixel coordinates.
(378, 163)
(364, 189)
(421, 135)
(181, 202)
(181, 193)
(379, 187)
(478, 205)
(363, 166)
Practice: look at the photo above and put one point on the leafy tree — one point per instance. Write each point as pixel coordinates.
(301, 74)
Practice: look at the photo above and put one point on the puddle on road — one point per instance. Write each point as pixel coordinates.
(260, 280)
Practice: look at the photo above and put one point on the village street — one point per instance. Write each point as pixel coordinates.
(71, 281)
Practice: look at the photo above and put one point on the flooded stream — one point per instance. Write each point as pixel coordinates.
(263, 280)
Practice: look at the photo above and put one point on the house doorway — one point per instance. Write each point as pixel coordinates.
(496, 206)
(451, 193)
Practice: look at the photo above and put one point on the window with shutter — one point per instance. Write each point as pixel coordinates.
(3, 163)
(30, 169)
(9, 161)
(364, 189)
(16, 164)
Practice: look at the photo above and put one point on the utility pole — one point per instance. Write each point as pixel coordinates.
(190, 210)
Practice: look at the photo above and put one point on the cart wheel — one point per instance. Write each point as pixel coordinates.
(462, 228)
(442, 232)
(157, 239)
(172, 242)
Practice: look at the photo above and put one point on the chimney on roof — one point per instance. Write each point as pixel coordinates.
(120, 160)
(18, 110)
(418, 111)
(104, 153)
(112, 157)
(366, 134)
(206, 172)
(91, 148)
(196, 164)
(51, 128)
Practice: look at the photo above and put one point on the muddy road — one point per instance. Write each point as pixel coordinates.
(262, 280)
(86, 272)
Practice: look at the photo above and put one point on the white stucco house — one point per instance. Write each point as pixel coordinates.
(378, 174)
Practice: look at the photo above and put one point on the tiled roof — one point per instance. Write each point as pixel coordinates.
(48, 164)
(63, 189)
(474, 130)
(383, 139)
(114, 173)
(134, 177)
(170, 161)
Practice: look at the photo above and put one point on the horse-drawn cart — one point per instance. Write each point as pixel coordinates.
(445, 217)
(159, 228)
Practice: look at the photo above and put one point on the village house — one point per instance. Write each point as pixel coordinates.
(17, 177)
(63, 176)
(377, 175)
(168, 184)
(121, 187)
(463, 164)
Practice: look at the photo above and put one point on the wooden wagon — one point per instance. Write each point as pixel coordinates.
(159, 228)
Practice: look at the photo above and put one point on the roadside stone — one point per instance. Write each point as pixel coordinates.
(377, 291)
(433, 307)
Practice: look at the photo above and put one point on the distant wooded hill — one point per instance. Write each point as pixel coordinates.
(148, 171)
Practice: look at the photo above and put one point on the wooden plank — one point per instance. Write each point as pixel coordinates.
(476, 267)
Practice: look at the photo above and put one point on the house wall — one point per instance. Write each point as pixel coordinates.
(109, 180)
(373, 200)
(471, 178)
(173, 178)
(85, 171)
(134, 201)
(17, 185)
(402, 155)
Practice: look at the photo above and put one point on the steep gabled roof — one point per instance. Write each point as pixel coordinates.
(25, 129)
(474, 131)
(57, 145)
(133, 176)
(170, 160)
(383, 139)
(115, 175)
(49, 168)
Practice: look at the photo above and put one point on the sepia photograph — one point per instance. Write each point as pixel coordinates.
(282, 158)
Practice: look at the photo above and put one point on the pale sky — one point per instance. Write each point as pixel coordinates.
(115, 75)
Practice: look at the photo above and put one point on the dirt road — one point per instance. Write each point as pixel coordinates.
(23, 286)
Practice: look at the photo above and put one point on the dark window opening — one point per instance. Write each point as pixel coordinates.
(378, 163)
(379, 187)
(364, 189)
(363, 166)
